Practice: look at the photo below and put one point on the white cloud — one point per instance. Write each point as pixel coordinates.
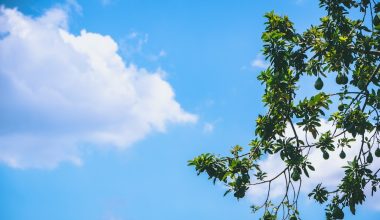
(162, 53)
(208, 127)
(72, 5)
(105, 2)
(133, 43)
(328, 172)
(156, 57)
(132, 35)
(60, 92)
(259, 62)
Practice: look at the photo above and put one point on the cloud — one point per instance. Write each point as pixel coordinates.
(208, 128)
(61, 92)
(328, 172)
(72, 5)
(133, 35)
(105, 2)
(156, 57)
(259, 62)
(134, 45)
(162, 53)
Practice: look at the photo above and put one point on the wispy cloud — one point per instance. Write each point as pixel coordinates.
(162, 53)
(208, 127)
(105, 2)
(259, 62)
(133, 44)
(299, 2)
(61, 92)
(73, 5)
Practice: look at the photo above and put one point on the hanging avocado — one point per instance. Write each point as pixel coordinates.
(369, 158)
(377, 152)
(341, 79)
(341, 107)
(376, 21)
(342, 155)
(326, 155)
(318, 84)
(295, 176)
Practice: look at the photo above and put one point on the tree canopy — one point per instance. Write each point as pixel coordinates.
(343, 48)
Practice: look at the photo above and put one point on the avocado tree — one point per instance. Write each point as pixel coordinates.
(343, 48)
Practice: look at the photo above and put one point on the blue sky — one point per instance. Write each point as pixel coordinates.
(99, 124)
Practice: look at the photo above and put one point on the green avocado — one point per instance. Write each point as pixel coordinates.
(326, 155)
(377, 152)
(295, 176)
(376, 21)
(318, 84)
(341, 79)
(342, 154)
(341, 107)
(369, 158)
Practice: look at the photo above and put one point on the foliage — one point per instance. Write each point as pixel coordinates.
(339, 47)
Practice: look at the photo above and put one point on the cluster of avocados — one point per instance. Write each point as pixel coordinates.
(341, 79)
